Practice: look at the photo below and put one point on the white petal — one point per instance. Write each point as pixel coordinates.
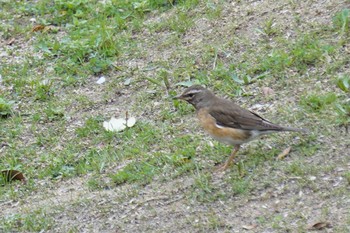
(114, 124)
(131, 122)
(101, 80)
(107, 126)
(127, 82)
(118, 124)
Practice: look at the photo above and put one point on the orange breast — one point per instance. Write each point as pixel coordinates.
(226, 135)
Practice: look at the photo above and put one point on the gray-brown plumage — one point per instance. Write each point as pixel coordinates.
(226, 121)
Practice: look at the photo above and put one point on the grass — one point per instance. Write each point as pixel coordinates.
(33, 222)
(52, 111)
(5, 107)
(341, 22)
(318, 102)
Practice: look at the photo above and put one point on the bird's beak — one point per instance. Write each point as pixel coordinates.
(178, 97)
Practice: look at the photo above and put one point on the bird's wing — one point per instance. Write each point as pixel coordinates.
(234, 116)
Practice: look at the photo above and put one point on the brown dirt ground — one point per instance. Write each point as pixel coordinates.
(166, 207)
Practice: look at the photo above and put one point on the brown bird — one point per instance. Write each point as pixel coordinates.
(227, 122)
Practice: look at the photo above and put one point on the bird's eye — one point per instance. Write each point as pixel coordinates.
(190, 95)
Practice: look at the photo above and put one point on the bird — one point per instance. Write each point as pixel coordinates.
(227, 122)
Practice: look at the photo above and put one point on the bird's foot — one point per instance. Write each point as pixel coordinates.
(223, 167)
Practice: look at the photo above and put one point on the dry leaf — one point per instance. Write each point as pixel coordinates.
(284, 153)
(10, 41)
(10, 175)
(267, 91)
(319, 225)
(38, 28)
(249, 227)
(44, 28)
(50, 28)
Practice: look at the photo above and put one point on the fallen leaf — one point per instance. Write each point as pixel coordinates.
(319, 225)
(249, 227)
(50, 28)
(284, 153)
(37, 28)
(267, 91)
(44, 28)
(11, 175)
(10, 41)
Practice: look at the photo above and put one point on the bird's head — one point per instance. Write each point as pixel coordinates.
(196, 95)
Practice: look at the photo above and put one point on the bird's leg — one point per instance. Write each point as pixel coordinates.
(230, 159)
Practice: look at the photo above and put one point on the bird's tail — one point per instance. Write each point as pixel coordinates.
(294, 129)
